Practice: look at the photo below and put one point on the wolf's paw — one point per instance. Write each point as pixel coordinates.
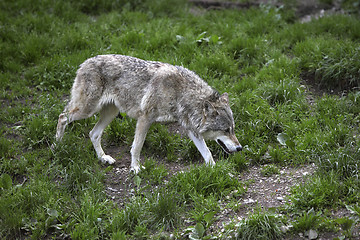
(136, 169)
(107, 159)
(210, 162)
(53, 147)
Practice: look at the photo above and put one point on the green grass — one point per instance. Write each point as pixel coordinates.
(263, 57)
(206, 181)
(331, 62)
(313, 220)
(269, 170)
(153, 172)
(260, 226)
(325, 191)
(161, 210)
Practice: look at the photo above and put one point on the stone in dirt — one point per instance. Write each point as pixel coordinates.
(311, 234)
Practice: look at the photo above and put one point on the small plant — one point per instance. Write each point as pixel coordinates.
(164, 210)
(201, 206)
(309, 220)
(278, 154)
(269, 170)
(344, 162)
(39, 130)
(285, 92)
(153, 171)
(90, 218)
(158, 210)
(285, 140)
(320, 192)
(257, 155)
(159, 140)
(129, 217)
(206, 181)
(259, 226)
(240, 162)
(331, 62)
(120, 235)
(213, 39)
(5, 147)
(355, 210)
(198, 232)
(348, 224)
(5, 182)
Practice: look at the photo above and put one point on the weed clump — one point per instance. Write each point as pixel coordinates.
(330, 63)
(269, 170)
(259, 226)
(153, 172)
(345, 163)
(161, 210)
(206, 181)
(321, 192)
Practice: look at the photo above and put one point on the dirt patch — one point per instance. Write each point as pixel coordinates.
(119, 180)
(272, 191)
(264, 192)
(304, 10)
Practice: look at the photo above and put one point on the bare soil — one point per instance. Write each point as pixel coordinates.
(305, 10)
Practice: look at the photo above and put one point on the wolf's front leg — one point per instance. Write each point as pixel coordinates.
(142, 127)
(107, 114)
(202, 147)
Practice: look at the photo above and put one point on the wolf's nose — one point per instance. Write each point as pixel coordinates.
(239, 148)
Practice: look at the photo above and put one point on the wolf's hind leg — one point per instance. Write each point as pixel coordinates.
(142, 127)
(203, 149)
(107, 114)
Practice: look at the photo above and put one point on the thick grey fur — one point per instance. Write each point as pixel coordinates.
(150, 92)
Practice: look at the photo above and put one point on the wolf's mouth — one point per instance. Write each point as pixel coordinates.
(223, 145)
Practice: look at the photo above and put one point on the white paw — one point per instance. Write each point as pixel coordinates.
(107, 159)
(136, 169)
(53, 146)
(210, 163)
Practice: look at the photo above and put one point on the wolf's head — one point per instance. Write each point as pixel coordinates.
(218, 123)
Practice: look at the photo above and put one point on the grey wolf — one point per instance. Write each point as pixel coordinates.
(150, 92)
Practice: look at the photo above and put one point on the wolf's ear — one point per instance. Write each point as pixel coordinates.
(224, 98)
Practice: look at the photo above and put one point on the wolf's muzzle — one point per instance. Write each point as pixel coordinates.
(223, 145)
(226, 149)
